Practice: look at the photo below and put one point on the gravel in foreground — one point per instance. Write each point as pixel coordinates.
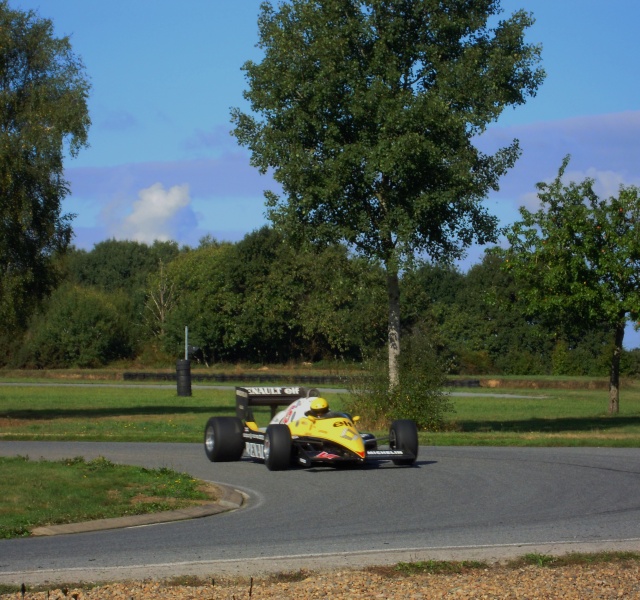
(619, 579)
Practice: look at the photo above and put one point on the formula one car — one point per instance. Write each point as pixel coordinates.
(305, 433)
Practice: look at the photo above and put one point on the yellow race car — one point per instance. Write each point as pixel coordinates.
(305, 433)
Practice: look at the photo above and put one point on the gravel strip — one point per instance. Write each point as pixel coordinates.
(618, 579)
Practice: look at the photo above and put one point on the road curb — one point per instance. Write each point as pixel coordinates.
(229, 499)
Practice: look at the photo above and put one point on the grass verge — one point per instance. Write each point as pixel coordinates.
(438, 567)
(551, 417)
(511, 417)
(573, 558)
(38, 493)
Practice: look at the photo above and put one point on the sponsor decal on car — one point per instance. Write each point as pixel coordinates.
(273, 391)
(290, 412)
(255, 450)
(349, 434)
(327, 455)
(385, 452)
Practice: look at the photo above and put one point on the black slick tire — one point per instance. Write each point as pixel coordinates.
(223, 439)
(403, 435)
(277, 447)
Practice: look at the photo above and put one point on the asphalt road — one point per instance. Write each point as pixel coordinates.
(455, 503)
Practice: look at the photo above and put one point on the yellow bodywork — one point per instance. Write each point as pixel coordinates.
(337, 430)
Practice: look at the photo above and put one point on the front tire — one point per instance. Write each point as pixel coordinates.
(403, 435)
(370, 441)
(223, 439)
(277, 447)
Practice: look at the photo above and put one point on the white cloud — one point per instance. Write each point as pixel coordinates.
(530, 201)
(226, 193)
(158, 214)
(604, 148)
(605, 183)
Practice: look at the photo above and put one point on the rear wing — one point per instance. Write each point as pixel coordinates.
(274, 397)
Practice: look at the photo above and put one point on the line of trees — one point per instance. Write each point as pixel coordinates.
(259, 301)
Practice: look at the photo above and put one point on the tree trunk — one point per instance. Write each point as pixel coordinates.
(614, 378)
(393, 292)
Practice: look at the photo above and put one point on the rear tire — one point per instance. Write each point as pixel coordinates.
(223, 439)
(277, 447)
(403, 435)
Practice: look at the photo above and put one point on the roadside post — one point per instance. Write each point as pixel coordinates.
(183, 369)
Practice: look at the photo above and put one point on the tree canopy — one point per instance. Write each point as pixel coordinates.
(118, 264)
(261, 301)
(366, 111)
(43, 116)
(577, 260)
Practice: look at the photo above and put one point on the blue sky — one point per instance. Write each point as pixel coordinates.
(165, 74)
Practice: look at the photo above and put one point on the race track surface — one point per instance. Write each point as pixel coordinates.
(455, 503)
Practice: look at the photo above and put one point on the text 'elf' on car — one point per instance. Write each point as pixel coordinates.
(305, 433)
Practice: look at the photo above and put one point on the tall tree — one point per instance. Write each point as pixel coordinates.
(43, 116)
(577, 260)
(366, 111)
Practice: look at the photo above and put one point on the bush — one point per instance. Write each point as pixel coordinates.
(630, 363)
(418, 396)
(81, 328)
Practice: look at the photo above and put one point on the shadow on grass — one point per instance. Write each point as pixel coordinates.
(560, 425)
(97, 413)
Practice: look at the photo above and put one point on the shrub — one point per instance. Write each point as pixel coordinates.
(418, 396)
(81, 327)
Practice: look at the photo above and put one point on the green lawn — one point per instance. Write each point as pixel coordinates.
(36, 493)
(111, 414)
(550, 417)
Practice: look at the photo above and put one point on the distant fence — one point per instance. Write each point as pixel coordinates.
(235, 377)
(265, 378)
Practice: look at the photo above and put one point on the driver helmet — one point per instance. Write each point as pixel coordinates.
(318, 407)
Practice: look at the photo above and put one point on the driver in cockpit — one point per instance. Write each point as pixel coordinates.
(318, 408)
